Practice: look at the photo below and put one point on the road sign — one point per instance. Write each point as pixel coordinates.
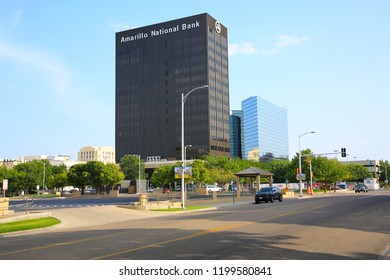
(5, 184)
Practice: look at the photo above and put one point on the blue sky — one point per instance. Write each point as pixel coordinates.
(327, 62)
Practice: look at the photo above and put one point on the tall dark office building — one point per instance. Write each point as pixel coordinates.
(154, 65)
(236, 136)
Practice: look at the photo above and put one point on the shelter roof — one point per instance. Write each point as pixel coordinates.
(253, 171)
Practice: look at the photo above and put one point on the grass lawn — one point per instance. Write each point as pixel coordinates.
(28, 224)
(188, 208)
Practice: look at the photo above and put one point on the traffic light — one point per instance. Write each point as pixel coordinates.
(343, 152)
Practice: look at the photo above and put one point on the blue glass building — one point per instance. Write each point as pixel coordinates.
(265, 129)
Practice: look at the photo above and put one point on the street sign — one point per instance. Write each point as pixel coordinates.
(301, 176)
(5, 184)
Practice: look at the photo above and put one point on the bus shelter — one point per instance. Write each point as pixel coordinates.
(254, 174)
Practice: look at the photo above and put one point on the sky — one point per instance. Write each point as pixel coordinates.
(327, 62)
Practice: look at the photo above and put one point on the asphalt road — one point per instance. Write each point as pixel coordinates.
(20, 205)
(349, 226)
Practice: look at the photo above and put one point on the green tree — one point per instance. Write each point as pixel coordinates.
(238, 164)
(212, 161)
(96, 172)
(28, 175)
(60, 177)
(384, 170)
(129, 165)
(291, 174)
(199, 172)
(280, 169)
(219, 175)
(78, 176)
(163, 175)
(357, 172)
(328, 171)
(3, 173)
(112, 175)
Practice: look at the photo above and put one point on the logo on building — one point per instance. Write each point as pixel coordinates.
(218, 26)
(162, 31)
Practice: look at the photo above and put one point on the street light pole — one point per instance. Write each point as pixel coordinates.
(183, 100)
(185, 163)
(185, 153)
(300, 161)
(43, 178)
(139, 173)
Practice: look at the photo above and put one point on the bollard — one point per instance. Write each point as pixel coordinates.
(143, 199)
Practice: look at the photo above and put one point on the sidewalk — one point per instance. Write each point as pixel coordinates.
(91, 216)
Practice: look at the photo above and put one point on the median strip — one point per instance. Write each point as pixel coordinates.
(28, 224)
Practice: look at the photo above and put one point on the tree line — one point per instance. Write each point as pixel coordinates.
(28, 176)
(208, 170)
(221, 170)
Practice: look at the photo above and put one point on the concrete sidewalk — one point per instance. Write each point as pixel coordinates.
(99, 215)
(91, 216)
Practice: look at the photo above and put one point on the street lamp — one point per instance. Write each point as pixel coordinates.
(43, 178)
(185, 159)
(300, 161)
(183, 100)
(139, 173)
(185, 153)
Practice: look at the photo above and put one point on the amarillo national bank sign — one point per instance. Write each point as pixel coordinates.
(164, 31)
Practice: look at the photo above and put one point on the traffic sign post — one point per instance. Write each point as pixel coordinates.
(5, 186)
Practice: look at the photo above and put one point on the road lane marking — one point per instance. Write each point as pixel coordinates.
(60, 244)
(201, 233)
(205, 232)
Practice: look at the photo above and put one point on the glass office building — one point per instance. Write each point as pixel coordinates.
(265, 129)
(154, 65)
(236, 134)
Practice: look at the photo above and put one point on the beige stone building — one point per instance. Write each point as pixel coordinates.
(103, 154)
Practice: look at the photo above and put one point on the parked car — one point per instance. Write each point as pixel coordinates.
(213, 188)
(361, 188)
(166, 190)
(90, 190)
(268, 194)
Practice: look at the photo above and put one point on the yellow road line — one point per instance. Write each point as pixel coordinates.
(60, 244)
(205, 232)
(213, 230)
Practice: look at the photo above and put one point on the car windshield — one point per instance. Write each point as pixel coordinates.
(265, 189)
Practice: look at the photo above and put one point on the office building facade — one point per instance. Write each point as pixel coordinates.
(265, 129)
(92, 153)
(236, 134)
(154, 65)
